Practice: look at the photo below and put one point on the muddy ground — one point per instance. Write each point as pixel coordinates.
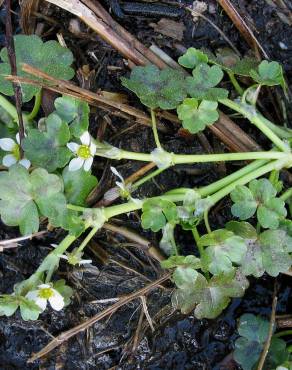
(178, 342)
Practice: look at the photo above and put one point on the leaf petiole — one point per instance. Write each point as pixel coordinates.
(235, 83)
(203, 158)
(154, 128)
(36, 107)
(257, 119)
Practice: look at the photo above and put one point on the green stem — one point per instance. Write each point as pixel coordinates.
(284, 133)
(134, 206)
(217, 185)
(206, 220)
(11, 110)
(201, 250)
(154, 129)
(75, 208)
(247, 178)
(36, 107)
(9, 107)
(203, 158)
(235, 83)
(257, 119)
(196, 236)
(286, 195)
(87, 239)
(148, 177)
(283, 333)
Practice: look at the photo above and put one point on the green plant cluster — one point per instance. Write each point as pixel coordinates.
(254, 331)
(49, 179)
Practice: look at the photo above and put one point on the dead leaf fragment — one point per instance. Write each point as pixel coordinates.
(170, 28)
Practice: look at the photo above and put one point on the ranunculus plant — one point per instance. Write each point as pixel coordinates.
(54, 177)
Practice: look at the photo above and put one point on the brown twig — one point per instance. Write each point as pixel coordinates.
(229, 42)
(131, 235)
(242, 26)
(121, 40)
(101, 28)
(85, 325)
(100, 12)
(6, 242)
(225, 129)
(138, 331)
(12, 61)
(270, 333)
(146, 312)
(68, 88)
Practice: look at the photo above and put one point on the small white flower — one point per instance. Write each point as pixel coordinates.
(9, 145)
(125, 189)
(74, 258)
(84, 153)
(46, 293)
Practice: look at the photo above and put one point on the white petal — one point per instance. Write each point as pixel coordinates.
(75, 164)
(116, 172)
(63, 256)
(41, 302)
(92, 149)
(121, 185)
(54, 245)
(85, 138)
(88, 164)
(32, 295)
(44, 286)
(83, 262)
(9, 160)
(25, 163)
(56, 301)
(17, 138)
(73, 147)
(7, 144)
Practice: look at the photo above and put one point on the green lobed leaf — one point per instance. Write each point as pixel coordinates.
(209, 298)
(157, 88)
(8, 304)
(259, 196)
(229, 61)
(269, 74)
(195, 117)
(254, 332)
(243, 229)
(65, 290)
(50, 57)
(78, 185)
(223, 250)
(185, 277)
(187, 261)
(192, 58)
(24, 195)
(267, 252)
(167, 243)
(202, 84)
(278, 354)
(156, 213)
(244, 205)
(29, 310)
(75, 112)
(48, 149)
(271, 212)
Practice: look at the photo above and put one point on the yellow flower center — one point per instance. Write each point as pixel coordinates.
(16, 152)
(46, 293)
(84, 152)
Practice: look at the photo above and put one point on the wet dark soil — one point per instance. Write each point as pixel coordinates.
(178, 342)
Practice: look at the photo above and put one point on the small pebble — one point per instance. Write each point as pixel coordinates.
(283, 46)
